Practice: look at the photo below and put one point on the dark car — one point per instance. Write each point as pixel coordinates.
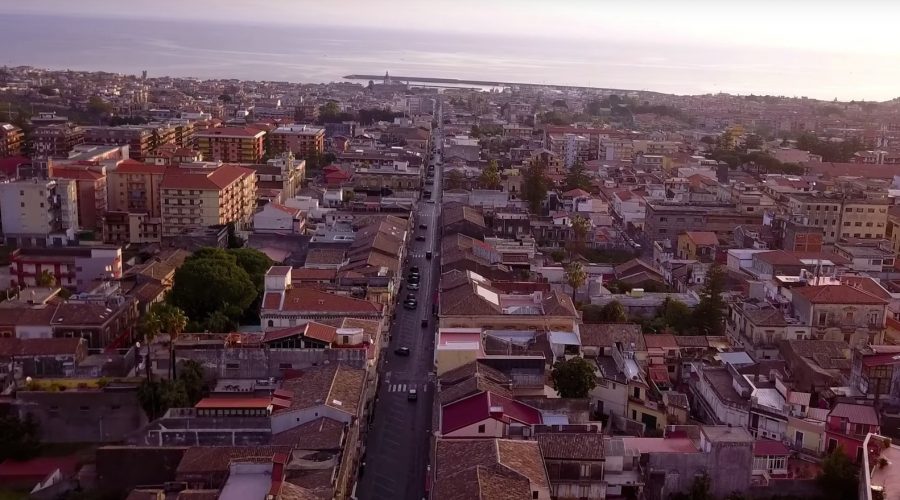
(402, 351)
(428, 255)
(410, 304)
(420, 237)
(412, 395)
(414, 270)
(424, 322)
(423, 226)
(413, 285)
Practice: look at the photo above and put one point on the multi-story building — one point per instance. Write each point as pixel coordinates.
(301, 140)
(665, 221)
(231, 144)
(141, 139)
(90, 182)
(193, 198)
(37, 212)
(400, 176)
(279, 179)
(134, 187)
(841, 312)
(841, 217)
(76, 268)
(11, 140)
(57, 140)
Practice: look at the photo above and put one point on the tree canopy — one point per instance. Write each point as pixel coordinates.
(204, 285)
(613, 312)
(839, 477)
(19, 439)
(834, 151)
(577, 178)
(575, 277)
(535, 185)
(573, 378)
(490, 176)
(454, 179)
(709, 314)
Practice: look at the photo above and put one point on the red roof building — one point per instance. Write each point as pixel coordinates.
(486, 415)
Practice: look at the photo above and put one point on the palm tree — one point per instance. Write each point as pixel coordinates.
(149, 327)
(173, 321)
(575, 277)
(46, 279)
(580, 227)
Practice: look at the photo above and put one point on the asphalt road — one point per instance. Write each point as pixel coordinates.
(397, 450)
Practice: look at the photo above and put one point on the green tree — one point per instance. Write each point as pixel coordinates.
(581, 226)
(753, 141)
(219, 322)
(97, 105)
(193, 379)
(454, 179)
(254, 262)
(202, 286)
(575, 277)
(573, 378)
(490, 176)
(577, 178)
(225, 98)
(534, 186)
(46, 279)
(329, 112)
(172, 321)
(613, 312)
(676, 315)
(19, 439)
(839, 477)
(710, 311)
(148, 328)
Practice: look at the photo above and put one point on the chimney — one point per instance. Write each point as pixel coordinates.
(496, 411)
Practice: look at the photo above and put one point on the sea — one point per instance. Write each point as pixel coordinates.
(325, 54)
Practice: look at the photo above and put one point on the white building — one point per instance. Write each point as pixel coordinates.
(39, 210)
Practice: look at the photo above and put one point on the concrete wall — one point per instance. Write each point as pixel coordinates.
(265, 363)
(83, 416)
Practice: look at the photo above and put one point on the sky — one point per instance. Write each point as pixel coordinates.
(850, 41)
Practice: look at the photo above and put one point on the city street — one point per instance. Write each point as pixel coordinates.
(397, 451)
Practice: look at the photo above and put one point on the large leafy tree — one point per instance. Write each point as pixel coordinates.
(573, 378)
(575, 277)
(676, 315)
(580, 227)
(205, 285)
(454, 179)
(254, 262)
(709, 314)
(19, 439)
(839, 477)
(535, 185)
(490, 176)
(577, 177)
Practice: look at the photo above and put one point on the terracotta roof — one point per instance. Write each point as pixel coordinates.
(660, 341)
(488, 469)
(571, 446)
(81, 174)
(857, 414)
(477, 408)
(336, 385)
(837, 294)
(785, 258)
(313, 301)
(204, 179)
(320, 434)
(306, 274)
(233, 402)
(313, 330)
(607, 334)
(229, 132)
(13, 347)
(576, 193)
(207, 459)
(294, 212)
(765, 447)
(703, 237)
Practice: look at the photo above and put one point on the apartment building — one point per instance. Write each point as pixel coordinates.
(90, 183)
(12, 139)
(203, 197)
(134, 187)
(57, 140)
(231, 144)
(76, 268)
(279, 179)
(859, 218)
(142, 140)
(573, 148)
(667, 221)
(301, 140)
(398, 176)
(38, 212)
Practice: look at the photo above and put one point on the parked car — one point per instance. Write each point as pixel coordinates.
(428, 255)
(402, 351)
(413, 285)
(424, 322)
(420, 237)
(412, 395)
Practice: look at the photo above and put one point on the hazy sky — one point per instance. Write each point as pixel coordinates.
(853, 36)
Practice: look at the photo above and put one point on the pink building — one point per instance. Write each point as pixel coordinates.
(847, 427)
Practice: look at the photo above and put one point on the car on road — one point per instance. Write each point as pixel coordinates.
(424, 322)
(402, 351)
(414, 271)
(410, 302)
(423, 226)
(412, 395)
(428, 255)
(430, 202)
(413, 285)
(420, 237)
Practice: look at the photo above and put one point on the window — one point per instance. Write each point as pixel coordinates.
(857, 224)
(481, 429)
(823, 318)
(534, 495)
(871, 210)
(637, 393)
(270, 323)
(848, 209)
(847, 223)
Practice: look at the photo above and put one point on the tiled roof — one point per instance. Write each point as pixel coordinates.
(488, 469)
(660, 341)
(311, 300)
(476, 408)
(607, 334)
(335, 385)
(313, 330)
(703, 237)
(228, 132)
(765, 447)
(857, 414)
(571, 446)
(837, 294)
(136, 167)
(11, 347)
(202, 179)
(294, 212)
(320, 434)
(785, 258)
(81, 174)
(206, 459)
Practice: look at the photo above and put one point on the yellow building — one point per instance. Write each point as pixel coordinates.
(866, 219)
(203, 197)
(303, 141)
(231, 144)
